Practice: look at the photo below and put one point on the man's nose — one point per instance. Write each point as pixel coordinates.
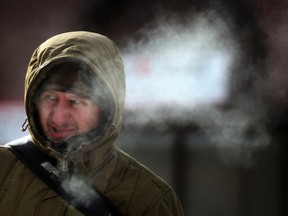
(60, 115)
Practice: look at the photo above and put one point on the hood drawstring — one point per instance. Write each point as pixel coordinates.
(25, 125)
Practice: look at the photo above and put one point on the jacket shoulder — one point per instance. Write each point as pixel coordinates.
(7, 162)
(19, 141)
(140, 191)
(7, 159)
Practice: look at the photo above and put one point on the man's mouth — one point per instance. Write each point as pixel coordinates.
(60, 134)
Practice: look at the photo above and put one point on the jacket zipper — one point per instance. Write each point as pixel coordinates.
(65, 163)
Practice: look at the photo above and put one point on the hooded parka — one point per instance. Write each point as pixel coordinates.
(131, 187)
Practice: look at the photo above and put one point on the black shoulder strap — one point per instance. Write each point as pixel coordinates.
(42, 165)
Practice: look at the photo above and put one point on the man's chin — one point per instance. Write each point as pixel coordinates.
(58, 140)
(64, 144)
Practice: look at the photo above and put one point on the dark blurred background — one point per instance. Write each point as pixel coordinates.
(211, 172)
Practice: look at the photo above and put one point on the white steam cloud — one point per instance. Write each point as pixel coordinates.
(79, 189)
(181, 64)
(178, 75)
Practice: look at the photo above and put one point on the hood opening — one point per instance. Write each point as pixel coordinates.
(73, 76)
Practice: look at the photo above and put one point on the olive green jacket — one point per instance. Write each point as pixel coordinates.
(131, 187)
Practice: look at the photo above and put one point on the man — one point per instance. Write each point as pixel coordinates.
(74, 98)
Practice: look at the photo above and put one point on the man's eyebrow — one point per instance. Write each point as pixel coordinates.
(46, 92)
(79, 97)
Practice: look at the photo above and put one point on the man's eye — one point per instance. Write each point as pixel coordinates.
(76, 102)
(47, 97)
(50, 97)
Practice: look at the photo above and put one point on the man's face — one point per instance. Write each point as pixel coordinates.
(64, 115)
